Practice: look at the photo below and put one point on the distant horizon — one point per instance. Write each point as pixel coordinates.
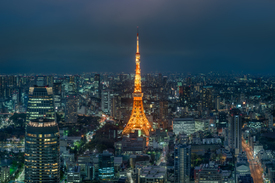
(163, 73)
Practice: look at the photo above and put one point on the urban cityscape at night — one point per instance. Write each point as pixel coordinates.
(137, 91)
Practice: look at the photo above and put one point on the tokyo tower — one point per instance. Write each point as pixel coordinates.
(138, 120)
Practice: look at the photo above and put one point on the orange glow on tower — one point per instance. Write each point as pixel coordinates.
(138, 120)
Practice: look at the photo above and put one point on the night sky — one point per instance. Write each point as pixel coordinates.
(75, 36)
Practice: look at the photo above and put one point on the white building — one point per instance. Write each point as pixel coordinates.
(183, 125)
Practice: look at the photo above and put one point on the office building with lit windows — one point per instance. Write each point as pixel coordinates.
(106, 166)
(42, 151)
(183, 125)
(41, 103)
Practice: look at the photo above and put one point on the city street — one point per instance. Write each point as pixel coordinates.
(21, 177)
(255, 167)
(163, 156)
(129, 175)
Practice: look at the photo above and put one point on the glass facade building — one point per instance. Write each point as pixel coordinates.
(41, 103)
(106, 166)
(235, 131)
(42, 151)
(182, 163)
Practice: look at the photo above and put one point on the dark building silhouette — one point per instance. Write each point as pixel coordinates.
(234, 128)
(185, 98)
(71, 109)
(207, 93)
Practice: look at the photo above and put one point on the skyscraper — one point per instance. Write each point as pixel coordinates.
(163, 109)
(10, 86)
(2, 87)
(97, 85)
(106, 100)
(57, 91)
(207, 98)
(234, 129)
(49, 80)
(42, 151)
(182, 163)
(138, 119)
(40, 81)
(72, 86)
(40, 103)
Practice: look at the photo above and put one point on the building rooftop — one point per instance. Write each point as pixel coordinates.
(153, 172)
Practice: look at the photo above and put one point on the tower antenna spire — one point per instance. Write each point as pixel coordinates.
(137, 41)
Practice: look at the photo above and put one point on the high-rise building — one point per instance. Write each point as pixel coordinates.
(57, 88)
(71, 109)
(40, 81)
(10, 86)
(106, 166)
(49, 80)
(106, 101)
(182, 163)
(42, 151)
(184, 92)
(57, 91)
(234, 129)
(97, 85)
(72, 86)
(163, 109)
(40, 103)
(11, 81)
(207, 97)
(2, 87)
(115, 109)
(138, 119)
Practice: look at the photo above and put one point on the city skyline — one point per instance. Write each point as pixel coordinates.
(184, 36)
(196, 104)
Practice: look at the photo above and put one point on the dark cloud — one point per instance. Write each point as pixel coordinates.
(70, 36)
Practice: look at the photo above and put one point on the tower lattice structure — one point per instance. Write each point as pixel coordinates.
(138, 120)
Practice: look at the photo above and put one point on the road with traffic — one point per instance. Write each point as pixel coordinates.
(255, 167)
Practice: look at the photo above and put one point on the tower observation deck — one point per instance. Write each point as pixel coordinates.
(138, 120)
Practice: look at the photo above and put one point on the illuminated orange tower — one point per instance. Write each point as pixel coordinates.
(138, 120)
